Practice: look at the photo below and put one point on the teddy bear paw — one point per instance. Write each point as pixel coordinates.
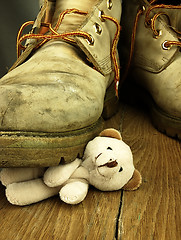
(74, 192)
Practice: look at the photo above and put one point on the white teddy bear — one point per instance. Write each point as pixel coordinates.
(107, 165)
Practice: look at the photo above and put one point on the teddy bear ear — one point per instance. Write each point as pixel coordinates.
(111, 132)
(134, 182)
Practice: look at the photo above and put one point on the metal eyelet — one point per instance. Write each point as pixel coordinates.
(91, 42)
(109, 4)
(143, 8)
(148, 23)
(164, 47)
(34, 30)
(100, 16)
(158, 35)
(98, 28)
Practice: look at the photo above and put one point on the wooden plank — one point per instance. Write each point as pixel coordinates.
(153, 211)
(95, 218)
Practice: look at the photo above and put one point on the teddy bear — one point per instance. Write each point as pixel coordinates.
(107, 164)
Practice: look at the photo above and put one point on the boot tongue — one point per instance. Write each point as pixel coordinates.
(71, 21)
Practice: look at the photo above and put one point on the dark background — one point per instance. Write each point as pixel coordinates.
(12, 15)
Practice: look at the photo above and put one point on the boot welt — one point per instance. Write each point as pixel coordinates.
(37, 149)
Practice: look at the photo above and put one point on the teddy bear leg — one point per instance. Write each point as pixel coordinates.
(12, 175)
(29, 192)
(74, 191)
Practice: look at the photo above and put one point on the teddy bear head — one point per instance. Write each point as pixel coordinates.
(109, 162)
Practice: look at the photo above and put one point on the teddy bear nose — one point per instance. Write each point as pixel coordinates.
(110, 164)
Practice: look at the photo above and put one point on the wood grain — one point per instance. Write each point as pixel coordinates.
(95, 218)
(152, 212)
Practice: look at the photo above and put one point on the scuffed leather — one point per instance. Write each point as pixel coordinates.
(56, 90)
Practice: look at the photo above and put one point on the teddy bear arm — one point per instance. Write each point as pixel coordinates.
(74, 191)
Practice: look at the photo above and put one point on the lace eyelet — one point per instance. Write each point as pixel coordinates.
(98, 28)
(159, 33)
(91, 42)
(164, 46)
(109, 4)
(148, 23)
(143, 8)
(100, 16)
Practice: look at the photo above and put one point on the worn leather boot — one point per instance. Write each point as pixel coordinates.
(150, 41)
(52, 99)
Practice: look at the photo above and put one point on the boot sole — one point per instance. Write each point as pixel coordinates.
(35, 149)
(163, 122)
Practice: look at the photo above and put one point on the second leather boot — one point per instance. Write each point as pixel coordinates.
(150, 41)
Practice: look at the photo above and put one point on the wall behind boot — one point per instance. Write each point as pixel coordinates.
(13, 14)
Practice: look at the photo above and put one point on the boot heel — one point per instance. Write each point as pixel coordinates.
(111, 103)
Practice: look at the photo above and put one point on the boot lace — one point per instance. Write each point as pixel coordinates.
(151, 22)
(48, 33)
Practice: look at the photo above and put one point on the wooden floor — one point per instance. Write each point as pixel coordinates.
(152, 212)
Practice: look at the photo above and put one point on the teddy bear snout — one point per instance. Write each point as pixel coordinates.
(106, 159)
(110, 164)
(108, 169)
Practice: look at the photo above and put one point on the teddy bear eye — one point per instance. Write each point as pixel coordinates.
(121, 169)
(109, 148)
